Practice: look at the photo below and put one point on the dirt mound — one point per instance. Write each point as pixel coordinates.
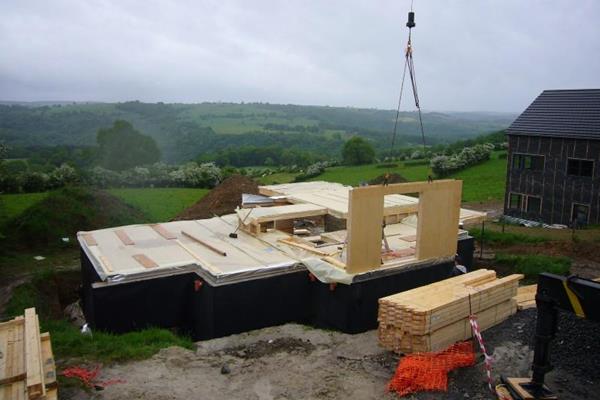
(393, 178)
(66, 211)
(223, 199)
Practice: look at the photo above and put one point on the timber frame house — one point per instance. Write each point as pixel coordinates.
(553, 173)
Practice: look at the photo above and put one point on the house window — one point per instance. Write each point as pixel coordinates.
(525, 203)
(534, 205)
(515, 201)
(577, 167)
(580, 214)
(528, 162)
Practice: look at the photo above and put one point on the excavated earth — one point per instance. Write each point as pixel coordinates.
(223, 199)
(298, 362)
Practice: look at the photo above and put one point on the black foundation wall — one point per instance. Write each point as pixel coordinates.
(353, 308)
(193, 306)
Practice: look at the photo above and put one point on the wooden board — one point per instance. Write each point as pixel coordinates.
(124, 237)
(27, 369)
(204, 243)
(89, 239)
(525, 297)
(434, 316)
(146, 261)
(437, 229)
(163, 232)
(33, 354)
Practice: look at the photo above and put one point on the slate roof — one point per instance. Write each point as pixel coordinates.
(561, 113)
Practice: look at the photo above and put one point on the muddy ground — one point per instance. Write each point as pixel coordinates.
(298, 362)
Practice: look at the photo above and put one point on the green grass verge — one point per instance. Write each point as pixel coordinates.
(160, 204)
(11, 205)
(531, 265)
(67, 340)
(505, 239)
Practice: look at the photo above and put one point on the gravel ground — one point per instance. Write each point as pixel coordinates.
(298, 362)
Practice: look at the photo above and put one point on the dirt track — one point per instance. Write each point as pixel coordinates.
(297, 362)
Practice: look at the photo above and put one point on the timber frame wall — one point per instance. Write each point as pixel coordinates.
(437, 228)
(558, 190)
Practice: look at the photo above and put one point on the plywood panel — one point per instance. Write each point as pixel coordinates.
(364, 229)
(437, 230)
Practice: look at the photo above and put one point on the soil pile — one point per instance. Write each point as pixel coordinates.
(392, 178)
(223, 199)
(66, 211)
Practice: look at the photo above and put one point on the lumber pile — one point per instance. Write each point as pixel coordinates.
(525, 297)
(27, 369)
(432, 317)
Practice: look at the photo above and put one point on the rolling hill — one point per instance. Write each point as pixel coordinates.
(183, 131)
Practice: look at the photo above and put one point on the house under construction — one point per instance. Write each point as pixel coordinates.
(317, 253)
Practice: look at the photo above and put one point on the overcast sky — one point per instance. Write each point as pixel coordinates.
(469, 55)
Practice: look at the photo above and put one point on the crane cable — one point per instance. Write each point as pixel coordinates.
(409, 64)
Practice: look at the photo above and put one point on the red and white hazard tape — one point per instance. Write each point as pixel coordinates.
(488, 358)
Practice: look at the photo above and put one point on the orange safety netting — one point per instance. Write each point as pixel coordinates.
(429, 371)
(89, 377)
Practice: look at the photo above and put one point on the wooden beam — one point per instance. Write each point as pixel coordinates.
(163, 232)
(124, 237)
(33, 353)
(146, 261)
(203, 243)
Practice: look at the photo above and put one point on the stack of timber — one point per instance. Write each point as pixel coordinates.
(525, 297)
(27, 369)
(432, 317)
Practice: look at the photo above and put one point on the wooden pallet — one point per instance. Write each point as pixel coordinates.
(432, 317)
(27, 369)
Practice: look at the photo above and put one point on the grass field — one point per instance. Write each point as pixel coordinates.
(12, 205)
(354, 175)
(483, 182)
(280, 177)
(160, 204)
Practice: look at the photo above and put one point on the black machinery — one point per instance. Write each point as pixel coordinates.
(573, 294)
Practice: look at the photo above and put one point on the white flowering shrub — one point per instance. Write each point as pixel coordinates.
(443, 165)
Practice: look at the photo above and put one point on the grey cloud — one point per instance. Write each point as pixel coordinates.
(469, 55)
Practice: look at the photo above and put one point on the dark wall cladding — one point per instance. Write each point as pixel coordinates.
(557, 189)
(191, 305)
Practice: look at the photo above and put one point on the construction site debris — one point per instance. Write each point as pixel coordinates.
(223, 199)
(434, 316)
(27, 369)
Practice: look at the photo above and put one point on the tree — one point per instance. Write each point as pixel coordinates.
(122, 147)
(357, 151)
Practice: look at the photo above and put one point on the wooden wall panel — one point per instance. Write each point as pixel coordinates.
(439, 212)
(437, 231)
(365, 218)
